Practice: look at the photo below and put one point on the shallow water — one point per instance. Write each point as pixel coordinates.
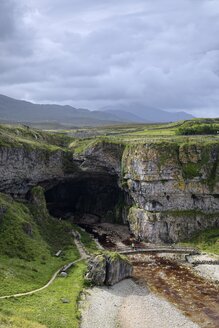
(196, 297)
(103, 239)
(192, 294)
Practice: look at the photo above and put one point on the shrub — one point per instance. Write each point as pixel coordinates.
(197, 129)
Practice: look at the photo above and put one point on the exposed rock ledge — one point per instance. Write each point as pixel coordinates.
(169, 189)
(108, 269)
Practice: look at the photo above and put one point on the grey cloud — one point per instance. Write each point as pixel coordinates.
(6, 18)
(93, 53)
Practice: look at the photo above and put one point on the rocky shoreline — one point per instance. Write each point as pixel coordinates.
(128, 305)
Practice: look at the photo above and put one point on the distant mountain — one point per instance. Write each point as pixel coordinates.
(125, 116)
(19, 111)
(146, 114)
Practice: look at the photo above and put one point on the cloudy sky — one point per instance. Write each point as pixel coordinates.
(92, 53)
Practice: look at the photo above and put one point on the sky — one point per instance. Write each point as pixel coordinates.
(93, 53)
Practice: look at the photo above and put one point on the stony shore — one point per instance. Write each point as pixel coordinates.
(128, 305)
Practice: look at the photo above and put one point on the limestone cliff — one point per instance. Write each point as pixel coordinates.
(170, 189)
(29, 157)
(22, 168)
(174, 187)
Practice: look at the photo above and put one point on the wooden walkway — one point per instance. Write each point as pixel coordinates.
(158, 249)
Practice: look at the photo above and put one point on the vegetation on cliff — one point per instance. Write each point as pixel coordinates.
(81, 139)
(21, 135)
(199, 127)
(206, 241)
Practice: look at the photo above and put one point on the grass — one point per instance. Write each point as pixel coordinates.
(81, 139)
(87, 241)
(207, 241)
(46, 307)
(29, 239)
(134, 132)
(199, 127)
(80, 146)
(28, 247)
(17, 322)
(19, 275)
(191, 170)
(12, 136)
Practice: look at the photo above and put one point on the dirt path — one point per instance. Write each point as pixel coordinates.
(81, 249)
(128, 305)
(83, 256)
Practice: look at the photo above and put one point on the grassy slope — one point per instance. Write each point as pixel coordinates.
(22, 136)
(82, 138)
(207, 241)
(27, 261)
(27, 258)
(85, 138)
(47, 307)
(7, 321)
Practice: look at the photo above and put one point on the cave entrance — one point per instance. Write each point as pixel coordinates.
(96, 196)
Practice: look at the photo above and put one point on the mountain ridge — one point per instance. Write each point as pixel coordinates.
(21, 111)
(149, 114)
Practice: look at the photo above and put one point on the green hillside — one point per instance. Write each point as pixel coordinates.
(27, 261)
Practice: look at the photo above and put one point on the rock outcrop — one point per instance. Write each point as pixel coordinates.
(174, 188)
(169, 189)
(102, 157)
(108, 269)
(22, 168)
(117, 269)
(169, 227)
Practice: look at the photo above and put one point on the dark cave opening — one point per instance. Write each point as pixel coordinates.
(96, 195)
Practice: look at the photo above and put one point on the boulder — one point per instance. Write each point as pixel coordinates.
(97, 270)
(108, 269)
(117, 269)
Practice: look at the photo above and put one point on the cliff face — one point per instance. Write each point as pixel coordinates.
(171, 188)
(175, 189)
(163, 177)
(170, 227)
(21, 168)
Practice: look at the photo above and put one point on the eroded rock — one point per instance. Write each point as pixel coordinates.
(171, 227)
(108, 269)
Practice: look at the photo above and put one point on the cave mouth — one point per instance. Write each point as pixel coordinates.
(91, 197)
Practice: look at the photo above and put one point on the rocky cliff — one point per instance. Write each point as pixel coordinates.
(108, 269)
(22, 168)
(170, 189)
(174, 187)
(29, 157)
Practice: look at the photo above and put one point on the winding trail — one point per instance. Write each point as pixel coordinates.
(83, 256)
